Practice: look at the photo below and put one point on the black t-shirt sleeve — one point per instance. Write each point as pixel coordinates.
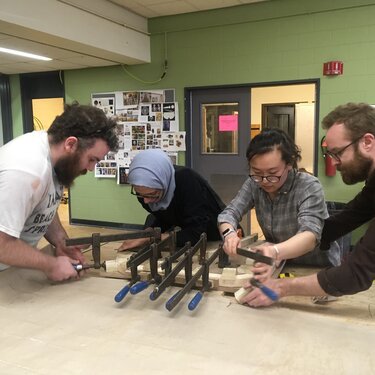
(356, 273)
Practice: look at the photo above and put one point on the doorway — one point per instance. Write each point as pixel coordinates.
(45, 111)
(293, 103)
(34, 86)
(280, 116)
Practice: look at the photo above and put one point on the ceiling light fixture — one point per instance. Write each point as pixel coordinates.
(24, 54)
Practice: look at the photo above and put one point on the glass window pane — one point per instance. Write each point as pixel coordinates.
(219, 128)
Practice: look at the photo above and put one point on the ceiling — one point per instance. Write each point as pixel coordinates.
(68, 53)
(157, 8)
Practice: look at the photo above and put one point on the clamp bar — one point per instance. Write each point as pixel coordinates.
(169, 279)
(176, 298)
(256, 256)
(116, 237)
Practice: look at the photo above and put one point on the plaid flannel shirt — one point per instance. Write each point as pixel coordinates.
(299, 206)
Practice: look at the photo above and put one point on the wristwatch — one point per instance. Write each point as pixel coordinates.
(227, 232)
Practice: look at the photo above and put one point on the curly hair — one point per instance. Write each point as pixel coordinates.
(85, 122)
(358, 118)
(268, 139)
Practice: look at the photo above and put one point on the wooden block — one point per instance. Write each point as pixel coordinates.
(116, 265)
(229, 273)
(146, 266)
(249, 261)
(110, 266)
(121, 266)
(214, 276)
(244, 268)
(241, 294)
(142, 268)
(124, 254)
(241, 280)
(228, 277)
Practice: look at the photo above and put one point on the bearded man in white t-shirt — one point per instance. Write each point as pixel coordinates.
(34, 168)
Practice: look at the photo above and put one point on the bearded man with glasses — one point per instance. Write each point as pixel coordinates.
(351, 144)
(289, 205)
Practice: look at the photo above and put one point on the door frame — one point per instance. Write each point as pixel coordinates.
(42, 85)
(6, 108)
(188, 93)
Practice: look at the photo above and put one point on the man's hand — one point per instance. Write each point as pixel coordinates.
(73, 252)
(257, 299)
(61, 268)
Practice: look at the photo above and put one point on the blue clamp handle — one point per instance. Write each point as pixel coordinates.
(153, 296)
(122, 293)
(169, 302)
(195, 301)
(269, 292)
(142, 285)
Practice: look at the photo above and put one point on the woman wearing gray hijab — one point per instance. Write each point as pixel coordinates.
(174, 196)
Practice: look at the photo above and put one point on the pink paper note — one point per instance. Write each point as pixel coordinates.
(228, 123)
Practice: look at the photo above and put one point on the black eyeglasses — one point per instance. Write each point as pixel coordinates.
(337, 155)
(271, 178)
(155, 195)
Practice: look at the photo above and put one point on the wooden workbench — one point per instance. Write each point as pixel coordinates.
(76, 328)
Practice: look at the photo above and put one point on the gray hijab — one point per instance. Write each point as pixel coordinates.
(154, 169)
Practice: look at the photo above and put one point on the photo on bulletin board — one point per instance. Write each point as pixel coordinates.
(155, 96)
(156, 107)
(120, 132)
(122, 175)
(130, 98)
(110, 156)
(173, 141)
(105, 101)
(129, 114)
(106, 169)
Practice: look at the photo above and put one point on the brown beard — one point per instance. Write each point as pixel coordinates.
(357, 170)
(67, 169)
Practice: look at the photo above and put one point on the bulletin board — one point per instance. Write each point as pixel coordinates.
(145, 120)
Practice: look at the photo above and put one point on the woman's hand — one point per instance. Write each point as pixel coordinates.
(231, 242)
(131, 244)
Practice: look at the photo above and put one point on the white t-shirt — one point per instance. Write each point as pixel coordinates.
(29, 191)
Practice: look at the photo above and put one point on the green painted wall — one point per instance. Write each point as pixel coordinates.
(98, 199)
(15, 93)
(277, 40)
